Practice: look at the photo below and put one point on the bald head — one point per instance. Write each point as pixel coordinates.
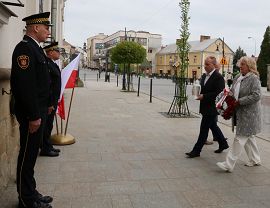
(210, 63)
(39, 32)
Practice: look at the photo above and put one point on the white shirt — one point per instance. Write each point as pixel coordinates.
(208, 76)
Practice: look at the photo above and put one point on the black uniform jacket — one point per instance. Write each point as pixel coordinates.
(30, 81)
(55, 76)
(214, 85)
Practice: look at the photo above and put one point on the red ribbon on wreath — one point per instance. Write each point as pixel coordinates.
(225, 104)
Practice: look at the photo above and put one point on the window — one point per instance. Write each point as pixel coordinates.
(149, 50)
(142, 41)
(195, 59)
(160, 59)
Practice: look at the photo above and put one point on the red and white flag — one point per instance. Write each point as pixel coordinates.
(68, 79)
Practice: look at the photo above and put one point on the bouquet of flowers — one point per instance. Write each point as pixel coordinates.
(225, 104)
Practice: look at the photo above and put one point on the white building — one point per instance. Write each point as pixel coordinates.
(97, 46)
(94, 48)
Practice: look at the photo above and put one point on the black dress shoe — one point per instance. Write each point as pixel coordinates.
(36, 204)
(44, 199)
(56, 150)
(49, 153)
(192, 154)
(39, 204)
(220, 149)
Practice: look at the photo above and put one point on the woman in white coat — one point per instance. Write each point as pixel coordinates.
(246, 89)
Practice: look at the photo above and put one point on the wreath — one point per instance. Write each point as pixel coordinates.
(225, 104)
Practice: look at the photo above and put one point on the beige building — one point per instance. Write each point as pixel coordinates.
(12, 30)
(168, 60)
(97, 46)
(94, 49)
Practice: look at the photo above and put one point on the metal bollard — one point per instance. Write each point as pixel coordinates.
(151, 83)
(139, 83)
(117, 80)
(97, 77)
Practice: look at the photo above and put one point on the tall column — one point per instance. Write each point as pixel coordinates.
(54, 19)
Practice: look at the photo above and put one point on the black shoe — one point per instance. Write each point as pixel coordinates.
(36, 204)
(44, 199)
(192, 154)
(39, 204)
(49, 153)
(220, 149)
(56, 150)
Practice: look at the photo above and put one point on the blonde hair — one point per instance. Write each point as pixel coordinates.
(250, 62)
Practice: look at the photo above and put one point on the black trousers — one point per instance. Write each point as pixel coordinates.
(29, 147)
(46, 143)
(209, 122)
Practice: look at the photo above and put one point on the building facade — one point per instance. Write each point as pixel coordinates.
(168, 59)
(99, 45)
(12, 30)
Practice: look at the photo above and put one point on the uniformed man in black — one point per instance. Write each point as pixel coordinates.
(30, 88)
(53, 54)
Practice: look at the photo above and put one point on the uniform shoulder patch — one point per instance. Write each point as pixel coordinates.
(23, 61)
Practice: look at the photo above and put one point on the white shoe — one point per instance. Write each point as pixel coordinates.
(222, 166)
(252, 164)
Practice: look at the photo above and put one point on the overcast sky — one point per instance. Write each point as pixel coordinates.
(235, 20)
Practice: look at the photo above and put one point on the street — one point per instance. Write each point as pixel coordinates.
(163, 89)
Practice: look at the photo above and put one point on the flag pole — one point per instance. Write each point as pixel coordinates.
(61, 126)
(69, 110)
(56, 124)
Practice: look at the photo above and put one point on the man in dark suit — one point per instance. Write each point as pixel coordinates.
(53, 54)
(212, 83)
(30, 87)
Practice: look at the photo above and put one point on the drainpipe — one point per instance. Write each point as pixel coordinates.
(53, 19)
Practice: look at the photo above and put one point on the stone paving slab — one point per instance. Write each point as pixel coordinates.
(128, 155)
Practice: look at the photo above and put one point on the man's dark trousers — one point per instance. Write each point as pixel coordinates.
(208, 122)
(29, 147)
(47, 145)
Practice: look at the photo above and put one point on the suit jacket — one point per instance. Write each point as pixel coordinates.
(29, 79)
(214, 85)
(55, 83)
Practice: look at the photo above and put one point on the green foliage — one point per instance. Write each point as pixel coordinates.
(237, 55)
(128, 53)
(182, 44)
(183, 50)
(264, 57)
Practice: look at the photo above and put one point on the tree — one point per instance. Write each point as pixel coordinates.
(264, 57)
(128, 53)
(238, 54)
(179, 104)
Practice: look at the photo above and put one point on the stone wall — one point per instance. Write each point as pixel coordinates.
(9, 134)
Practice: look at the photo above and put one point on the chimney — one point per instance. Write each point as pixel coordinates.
(204, 37)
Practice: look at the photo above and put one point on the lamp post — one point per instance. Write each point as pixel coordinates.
(223, 56)
(124, 70)
(217, 52)
(254, 45)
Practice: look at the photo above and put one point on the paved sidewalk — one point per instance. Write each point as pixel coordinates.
(128, 155)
